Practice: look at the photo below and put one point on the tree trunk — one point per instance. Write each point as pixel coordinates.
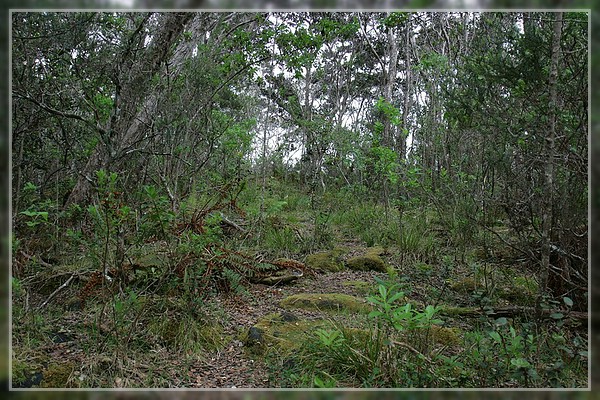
(407, 92)
(135, 102)
(386, 140)
(549, 154)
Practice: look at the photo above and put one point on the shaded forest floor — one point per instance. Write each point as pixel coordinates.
(146, 332)
(61, 351)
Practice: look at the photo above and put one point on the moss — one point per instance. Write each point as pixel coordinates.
(151, 260)
(455, 311)
(357, 335)
(19, 372)
(57, 376)
(522, 290)
(366, 263)
(376, 251)
(279, 332)
(370, 261)
(327, 261)
(325, 302)
(446, 336)
(527, 283)
(466, 285)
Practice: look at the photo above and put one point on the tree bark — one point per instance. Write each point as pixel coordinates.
(549, 154)
(135, 102)
(386, 140)
(407, 91)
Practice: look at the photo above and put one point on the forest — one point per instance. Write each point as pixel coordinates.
(299, 199)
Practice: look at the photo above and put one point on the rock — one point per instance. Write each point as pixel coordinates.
(280, 332)
(326, 261)
(31, 380)
(255, 336)
(371, 261)
(325, 302)
(466, 285)
(58, 376)
(279, 277)
(288, 317)
(446, 336)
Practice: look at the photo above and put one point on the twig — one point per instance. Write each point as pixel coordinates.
(230, 223)
(38, 259)
(409, 347)
(61, 287)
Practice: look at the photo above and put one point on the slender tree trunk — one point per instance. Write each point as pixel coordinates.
(16, 190)
(386, 140)
(264, 158)
(549, 154)
(407, 92)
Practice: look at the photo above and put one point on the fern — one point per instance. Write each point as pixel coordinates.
(234, 281)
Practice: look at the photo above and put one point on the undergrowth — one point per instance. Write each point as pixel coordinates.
(141, 279)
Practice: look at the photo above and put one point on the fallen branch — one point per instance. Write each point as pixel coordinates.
(61, 287)
(515, 311)
(232, 224)
(409, 347)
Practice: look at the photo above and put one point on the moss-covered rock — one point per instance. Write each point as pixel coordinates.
(58, 376)
(325, 302)
(466, 285)
(279, 332)
(370, 261)
(326, 261)
(366, 263)
(446, 336)
(22, 377)
(376, 251)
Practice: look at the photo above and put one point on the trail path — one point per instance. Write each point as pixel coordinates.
(234, 366)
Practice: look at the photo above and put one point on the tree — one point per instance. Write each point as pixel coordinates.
(547, 214)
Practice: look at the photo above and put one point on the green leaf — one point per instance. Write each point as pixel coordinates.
(496, 336)
(30, 187)
(520, 363)
(556, 315)
(395, 297)
(568, 301)
(500, 321)
(383, 291)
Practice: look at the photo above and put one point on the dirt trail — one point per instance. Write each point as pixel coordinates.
(233, 366)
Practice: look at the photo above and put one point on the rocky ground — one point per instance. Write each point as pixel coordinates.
(61, 349)
(64, 352)
(235, 366)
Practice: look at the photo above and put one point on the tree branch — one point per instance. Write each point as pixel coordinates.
(59, 113)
